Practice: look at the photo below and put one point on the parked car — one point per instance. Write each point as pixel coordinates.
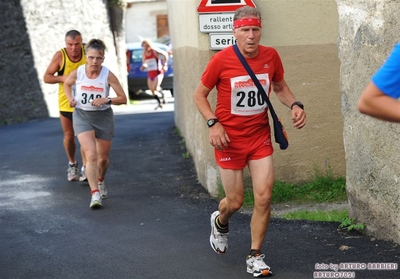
(137, 79)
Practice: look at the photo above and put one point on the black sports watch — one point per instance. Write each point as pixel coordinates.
(297, 103)
(109, 101)
(211, 122)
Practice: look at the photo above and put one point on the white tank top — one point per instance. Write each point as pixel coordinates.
(88, 89)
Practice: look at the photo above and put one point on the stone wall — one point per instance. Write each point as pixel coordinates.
(21, 97)
(367, 32)
(32, 32)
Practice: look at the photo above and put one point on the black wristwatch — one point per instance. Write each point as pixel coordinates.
(297, 104)
(211, 122)
(109, 101)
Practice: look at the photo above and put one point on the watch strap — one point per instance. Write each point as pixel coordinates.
(211, 122)
(297, 103)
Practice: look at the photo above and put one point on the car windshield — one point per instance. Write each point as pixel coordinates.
(136, 56)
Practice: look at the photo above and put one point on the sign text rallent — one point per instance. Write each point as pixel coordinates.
(211, 23)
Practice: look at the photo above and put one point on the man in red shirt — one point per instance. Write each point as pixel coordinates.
(240, 132)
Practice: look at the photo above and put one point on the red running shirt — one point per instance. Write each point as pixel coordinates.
(153, 64)
(240, 108)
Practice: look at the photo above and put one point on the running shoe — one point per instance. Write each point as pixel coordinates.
(218, 240)
(72, 172)
(257, 267)
(83, 174)
(96, 200)
(102, 189)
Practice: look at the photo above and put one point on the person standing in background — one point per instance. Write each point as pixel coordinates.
(155, 69)
(63, 63)
(93, 117)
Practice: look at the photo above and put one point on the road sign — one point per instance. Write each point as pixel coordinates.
(220, 41)
(222, 6)
(210, 23)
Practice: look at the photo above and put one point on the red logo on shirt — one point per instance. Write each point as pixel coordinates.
(249, 83)
(92, 88)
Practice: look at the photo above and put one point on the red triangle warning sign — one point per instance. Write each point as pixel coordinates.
(222, 6)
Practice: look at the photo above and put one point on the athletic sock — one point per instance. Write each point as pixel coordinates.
(94, 191)
(255, 252)
(157, 98)
(220, 227)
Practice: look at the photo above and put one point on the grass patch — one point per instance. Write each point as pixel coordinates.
(134, 102)
(323, 188)
(351, 224)
(185, 155)
(318, 190)
(328, 216)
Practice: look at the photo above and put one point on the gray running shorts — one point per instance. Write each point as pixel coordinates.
(101, 121)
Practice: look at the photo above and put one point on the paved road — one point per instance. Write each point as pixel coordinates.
(155, 223)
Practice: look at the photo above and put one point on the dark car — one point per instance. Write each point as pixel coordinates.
(137, 79)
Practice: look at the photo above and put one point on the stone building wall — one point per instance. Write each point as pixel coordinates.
(32, 32)
(21, 96)
(368, 29)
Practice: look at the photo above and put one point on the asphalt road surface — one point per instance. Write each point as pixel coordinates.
(155, 222)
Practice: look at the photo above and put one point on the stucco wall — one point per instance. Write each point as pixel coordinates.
(141, 20)
(40, 26)
(305, 34)
(368, 30)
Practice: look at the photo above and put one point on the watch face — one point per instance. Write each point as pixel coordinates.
(211, 122)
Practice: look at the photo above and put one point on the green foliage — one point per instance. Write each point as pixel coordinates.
(183, 146)
(116, 3)
(351, 224)
(327, 216)
(134, 102)
(323, 188)
(248, 197)
(220, 191)
(186, 155)
(178, 131)
(13, 121)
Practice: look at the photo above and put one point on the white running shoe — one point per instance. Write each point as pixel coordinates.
(96, 200)
(102, 189)
(257, 267)
(72, 172)
(218, 240)
(83, 174)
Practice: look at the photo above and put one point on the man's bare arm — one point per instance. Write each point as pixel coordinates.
(52, 69)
